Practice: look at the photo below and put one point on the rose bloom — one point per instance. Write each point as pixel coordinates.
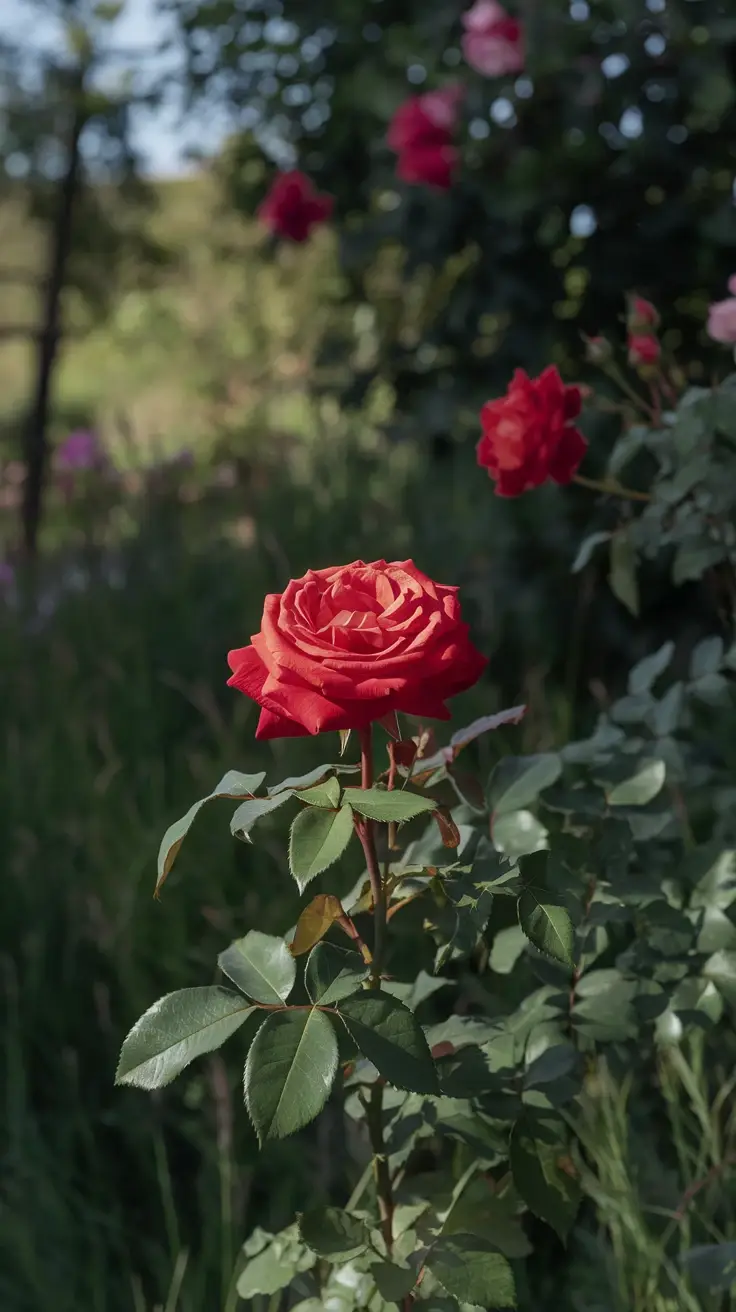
(421, 134)
(432, 166)
(722, 317)
(643, 349)
(528, 434)
(347, 645)
(642, 314)
(493, 43)
(293, 207)
(80, 450)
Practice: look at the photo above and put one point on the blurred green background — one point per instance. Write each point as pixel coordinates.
(265, 409)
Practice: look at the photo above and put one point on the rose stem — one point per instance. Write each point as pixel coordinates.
(374, 1105)
(611, 489)
(364, 828)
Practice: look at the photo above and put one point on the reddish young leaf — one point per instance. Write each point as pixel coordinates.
(314, 922)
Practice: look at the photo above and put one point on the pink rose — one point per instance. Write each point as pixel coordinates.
(493, 43)
(722, 317)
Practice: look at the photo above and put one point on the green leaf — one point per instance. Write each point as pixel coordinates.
(622, 576)
(711, 1266)
(518, 780)
(387, 1033)
(314, 922)
(548, 927)
(397, 805)
(587, 550)
(541, 1174)
(289, 1072)
(471, 1270)
(253, 810)
(694, 559)
(641, 787)
(553, 1064)
(261, 965)
(720, 969)
(644, 675)
(175, 1030)
(233, 784)
(274, 1265)
(318, 838)
(326, 794)
(393, 1282)
(707, 658)
(333, 973)
(315, 776)
(333, 1233)
(603, 1005)
(518, 834)
(479, 1211)
(508, 945)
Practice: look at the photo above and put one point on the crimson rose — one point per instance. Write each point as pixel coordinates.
(347, 645)
(644, 349)
(293, 206)
(421, 133)
(528, 434)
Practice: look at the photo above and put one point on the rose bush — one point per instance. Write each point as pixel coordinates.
(347, 645)
(529, 435)
(573, 915)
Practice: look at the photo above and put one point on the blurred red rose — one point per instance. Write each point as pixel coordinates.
(644, 348)
(347, 645)
(642, 315)
(493, 43)
(293, 207)
(421, 133)
(528, 434)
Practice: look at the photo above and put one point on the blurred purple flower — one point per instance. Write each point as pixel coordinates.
(7, 576)
(80, 450)
(183, 459)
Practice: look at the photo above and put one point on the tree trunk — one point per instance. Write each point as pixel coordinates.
(36, 444)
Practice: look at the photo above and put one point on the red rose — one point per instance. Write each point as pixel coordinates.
(347, 645)
(528, 434)
(421, 134)
(642, 314)
(293, 207)
(433, 166)
(643, 349)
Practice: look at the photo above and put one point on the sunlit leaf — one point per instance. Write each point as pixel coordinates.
(261, 965)
(289, 1072)
(318, 839)
(175, 1030)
